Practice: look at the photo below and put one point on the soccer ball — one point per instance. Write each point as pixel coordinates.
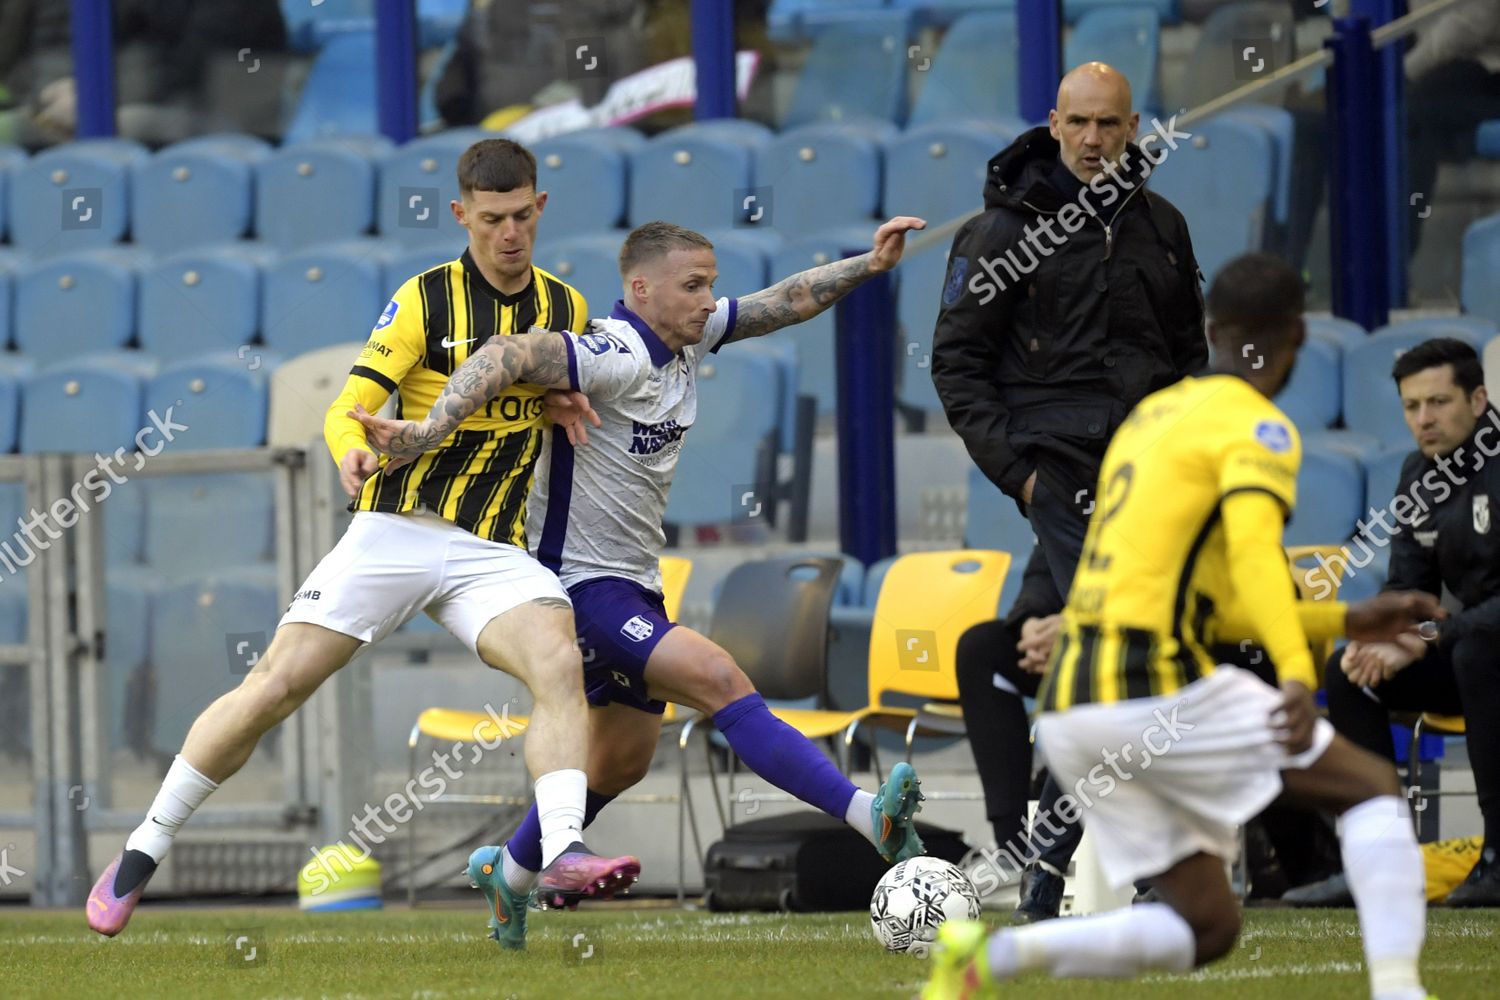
(914, 898)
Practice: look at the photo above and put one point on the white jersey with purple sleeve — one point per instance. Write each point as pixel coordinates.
(597, 510)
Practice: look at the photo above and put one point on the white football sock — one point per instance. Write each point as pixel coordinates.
(520, 879)
(857, 814)
(182, 791)
(560, 799)
(1388, 881)
(1150, 937)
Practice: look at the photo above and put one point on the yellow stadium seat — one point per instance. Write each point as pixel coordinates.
(927, 601)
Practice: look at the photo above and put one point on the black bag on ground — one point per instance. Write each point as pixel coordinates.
(804, 862)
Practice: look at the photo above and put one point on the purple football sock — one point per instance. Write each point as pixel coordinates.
(525, 844)
(783, 756)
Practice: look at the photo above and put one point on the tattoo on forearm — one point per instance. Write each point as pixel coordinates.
(541, 359)
(800, 297)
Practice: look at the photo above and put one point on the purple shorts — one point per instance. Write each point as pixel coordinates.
(619, 624)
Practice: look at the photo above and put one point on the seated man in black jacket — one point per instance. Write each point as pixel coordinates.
(1073, 296)
(1448, 537)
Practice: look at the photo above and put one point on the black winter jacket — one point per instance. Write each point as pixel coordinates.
(1450, 533)
(1041, 350)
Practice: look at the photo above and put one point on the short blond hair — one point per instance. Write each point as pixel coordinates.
(657, 239)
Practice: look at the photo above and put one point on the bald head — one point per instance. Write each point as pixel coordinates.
(1093, 119)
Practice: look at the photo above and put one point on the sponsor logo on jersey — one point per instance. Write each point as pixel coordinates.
(621, 679)
(638, 629)
(648, 439)
(1481, 514)
(307, 595)
(1274, 435)
(387, 317)
(601, 343)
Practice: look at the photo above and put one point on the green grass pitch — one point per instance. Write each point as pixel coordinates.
(172, 952)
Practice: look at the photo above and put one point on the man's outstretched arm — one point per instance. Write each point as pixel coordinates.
(541, 359)
(807, 293)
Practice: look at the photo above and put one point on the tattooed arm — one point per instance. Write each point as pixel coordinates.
(538, 358)
(807, 293)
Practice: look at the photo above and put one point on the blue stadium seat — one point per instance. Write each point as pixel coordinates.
(73, 304)
(1233, 34)
(584, 177)
(194, 193)
(785, 357)
(1371, 402)
(730, 449)
(326, 295)
(790, 20)
(1280, 125)
(697, 176)
(416, 184)
(318, 191)
(1345, 333)
(992, 521)
(127, 602)
(875, 578)
(200, 301)
(7, 298)
(1312, 398)
(410, 263)
(221, 400)
(339, 95)
(1481, 262)
(974, 74)
(814, 338)
(205, 633)
(937, 171)
(919, 293)
(741, 260)
(439, 21)
(11, 157)
(590, 264)
(1330, 497)
(1126, 37)
(1014, 578)
(13, 370)
(73, 197)
(1362, 583)
(90, 405)
(187, 517)
(124, 511)
(823, 175)
(1076, 10)
(1487, 139)
(855, 70)
(1383, 474)
(1221, 180)
(1475, 329)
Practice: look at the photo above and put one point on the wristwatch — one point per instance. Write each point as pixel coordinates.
(1427, 631)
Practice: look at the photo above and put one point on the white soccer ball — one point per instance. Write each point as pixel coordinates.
(914, 898)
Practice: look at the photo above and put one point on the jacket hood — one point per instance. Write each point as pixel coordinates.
(1019, 176)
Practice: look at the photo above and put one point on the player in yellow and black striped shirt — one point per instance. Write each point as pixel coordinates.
(444, 534)
(478, 478)
(1166, 753)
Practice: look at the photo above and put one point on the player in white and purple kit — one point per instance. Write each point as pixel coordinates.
(595, 518)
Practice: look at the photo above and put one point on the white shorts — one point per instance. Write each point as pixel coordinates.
(388, 567)
(1158, 780)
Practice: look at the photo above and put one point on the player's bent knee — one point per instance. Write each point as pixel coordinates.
(719, 681)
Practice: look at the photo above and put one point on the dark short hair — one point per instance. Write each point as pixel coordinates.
(495, 165)
(1468, 374)
(654, 239)
(1257, 295)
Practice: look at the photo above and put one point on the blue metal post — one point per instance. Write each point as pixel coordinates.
(395, 68)
(94, 68)
(1039, 33)
(1396, 203)
(1356, 189)
(713, 58)
(865, 347)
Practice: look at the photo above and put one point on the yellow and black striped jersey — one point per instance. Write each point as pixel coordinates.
(479, 477)
(1153, 585)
